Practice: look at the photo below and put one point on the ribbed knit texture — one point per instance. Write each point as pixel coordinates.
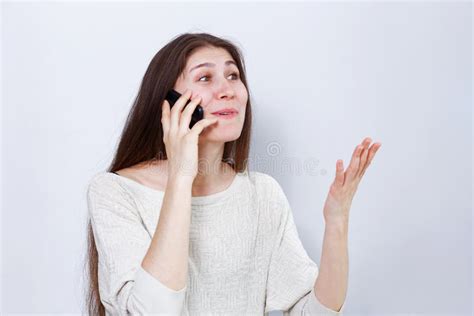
(245, 255)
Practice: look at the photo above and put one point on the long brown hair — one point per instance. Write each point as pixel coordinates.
(142, 137)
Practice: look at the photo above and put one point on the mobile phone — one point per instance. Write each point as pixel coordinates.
(198, 114)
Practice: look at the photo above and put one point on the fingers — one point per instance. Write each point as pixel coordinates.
(363, 157)
(200, 125)
(354, 164)
(339, 173)
(176, 111)
(176, 120)
(373, 149)
(187, 114)
(165, 119)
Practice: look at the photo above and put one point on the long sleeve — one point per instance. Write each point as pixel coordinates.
(292, 273)
(309, 305)
(122, 242)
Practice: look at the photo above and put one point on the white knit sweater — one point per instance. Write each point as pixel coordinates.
(245, 255)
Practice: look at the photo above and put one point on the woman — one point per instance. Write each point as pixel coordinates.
(179, 226)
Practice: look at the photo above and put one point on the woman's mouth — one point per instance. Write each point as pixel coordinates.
(226, 114)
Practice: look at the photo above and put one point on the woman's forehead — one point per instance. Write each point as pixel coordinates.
(208, 55)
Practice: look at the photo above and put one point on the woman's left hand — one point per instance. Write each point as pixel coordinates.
(345, 184)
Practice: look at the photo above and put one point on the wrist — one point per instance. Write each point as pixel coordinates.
(180, 182)
(337, 220)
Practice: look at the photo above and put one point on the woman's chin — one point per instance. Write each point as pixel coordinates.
(220, 135)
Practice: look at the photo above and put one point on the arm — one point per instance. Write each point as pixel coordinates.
(122, 242)
(167, 257)
(330, 287)
(292, 273)
(327, 296)
(331, 284)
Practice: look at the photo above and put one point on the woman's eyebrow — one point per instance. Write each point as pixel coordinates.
(212, 65)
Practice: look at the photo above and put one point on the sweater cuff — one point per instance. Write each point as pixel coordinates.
(152, 296)
(315, 307)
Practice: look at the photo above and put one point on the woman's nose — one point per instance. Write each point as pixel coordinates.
(224, 89)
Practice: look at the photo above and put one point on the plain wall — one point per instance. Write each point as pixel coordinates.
(322, 77)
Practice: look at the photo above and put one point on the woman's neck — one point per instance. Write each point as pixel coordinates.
(214, 180)
(209, 179)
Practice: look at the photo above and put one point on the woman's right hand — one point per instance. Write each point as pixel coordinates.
(180, 141)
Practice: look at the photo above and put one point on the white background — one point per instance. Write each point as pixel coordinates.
(322, 77)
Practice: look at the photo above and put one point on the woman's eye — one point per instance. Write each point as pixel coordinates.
(236, 75)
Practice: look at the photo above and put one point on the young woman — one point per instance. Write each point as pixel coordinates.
(179, 226)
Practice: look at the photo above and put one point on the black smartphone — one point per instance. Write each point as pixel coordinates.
(198, 113)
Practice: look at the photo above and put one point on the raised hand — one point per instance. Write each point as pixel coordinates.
(345, 184)
(180, 141)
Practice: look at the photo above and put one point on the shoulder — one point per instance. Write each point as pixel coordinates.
(109, 200)
(105, 187)
(102, 181)
(264, 180)
(266, 184)
(269, 192)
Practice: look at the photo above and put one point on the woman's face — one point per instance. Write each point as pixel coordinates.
(218, 84)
